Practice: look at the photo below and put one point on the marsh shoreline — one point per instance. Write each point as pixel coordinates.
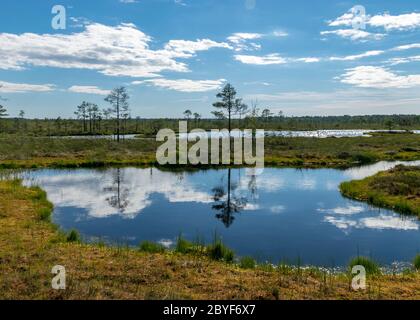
(102, 272)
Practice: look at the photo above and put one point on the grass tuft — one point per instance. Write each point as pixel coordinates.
(371, 267)
(151, 247)
(364, 158)
(247, 263)
(416, 262)
(183, 245)
(219, 252)
(44, 214)
(73, 236)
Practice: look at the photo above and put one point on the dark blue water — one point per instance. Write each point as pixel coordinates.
(282, 214)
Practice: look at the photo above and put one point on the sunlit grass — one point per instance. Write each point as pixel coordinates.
(247, 263)
(20, 151)
(151, 247)
(30, 247)
(397, 189)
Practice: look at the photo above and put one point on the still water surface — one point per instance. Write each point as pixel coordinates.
(282, 214)
(282, 133)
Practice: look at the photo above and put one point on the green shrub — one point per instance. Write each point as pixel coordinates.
(73, 236)
(151, 247)
(364, 158)
(276, 293)
(416, 262)
(299, 162)
(343, 155)
(44, 214)
(218, 251)
(371, 267)
(403, 207)
(247, 263)
(39, 194)
(183, 245)
(266, 267)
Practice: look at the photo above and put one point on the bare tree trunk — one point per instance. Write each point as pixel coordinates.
(118, 120)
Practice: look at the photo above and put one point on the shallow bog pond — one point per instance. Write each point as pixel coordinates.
(322, 134)
(281, 214)
(279, 133)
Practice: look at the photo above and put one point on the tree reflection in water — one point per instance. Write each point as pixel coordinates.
(227, 201)
(228, 198)
(119, 198)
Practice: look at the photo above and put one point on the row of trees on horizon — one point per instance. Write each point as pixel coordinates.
(229, 110)
(91, 116)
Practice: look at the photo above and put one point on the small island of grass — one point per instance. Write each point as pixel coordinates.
(397, 189)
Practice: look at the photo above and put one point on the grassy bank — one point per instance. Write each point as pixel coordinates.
(397, 189)
(30, 245)
(29, 152)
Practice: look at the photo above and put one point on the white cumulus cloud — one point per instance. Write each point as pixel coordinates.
(241, 41)
(121, 50)
(272, 59)
(245, 41)
(10, 87)
(184, 85)
(186, 48)
(398, 22)
(89, 90)
(407, 47)
(378, 77)
(386, 21)
(354, 34)
(396, 61)
(358, 56)
(269, 59)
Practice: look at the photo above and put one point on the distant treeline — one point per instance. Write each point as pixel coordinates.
(61, 126)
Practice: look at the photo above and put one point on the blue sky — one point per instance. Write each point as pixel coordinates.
(301, 57)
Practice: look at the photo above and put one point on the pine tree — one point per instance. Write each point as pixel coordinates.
(118, 98)
(228, 104)
(3, 112)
